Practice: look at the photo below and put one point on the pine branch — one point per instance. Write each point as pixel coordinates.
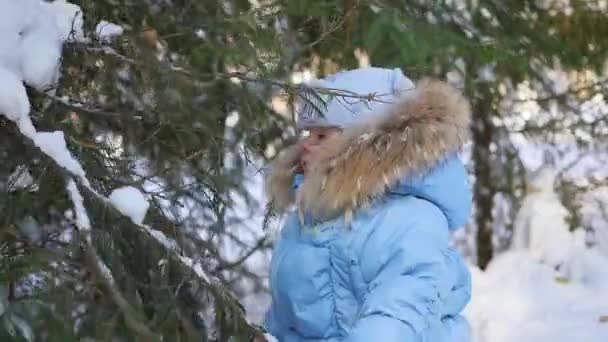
(101, 272)
(211, 78)
(106, 281)
(86, 108)
(335, 26)
(258, 245)
(187, 266)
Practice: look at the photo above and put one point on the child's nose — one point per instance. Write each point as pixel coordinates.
(306, 148)
(307, 145)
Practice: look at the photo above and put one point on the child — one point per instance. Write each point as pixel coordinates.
(378, 187)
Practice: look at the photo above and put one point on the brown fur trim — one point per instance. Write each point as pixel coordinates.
(358, 165)
(280, 180)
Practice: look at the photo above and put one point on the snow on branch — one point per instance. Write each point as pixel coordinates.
(105, 31)
(101, 270)
(30, 54)
(37, 64)
(82, 218)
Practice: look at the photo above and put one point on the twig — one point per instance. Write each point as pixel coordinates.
(334, 28)
(288, 87)
(85, 108)
(298, 88)
(260, 243)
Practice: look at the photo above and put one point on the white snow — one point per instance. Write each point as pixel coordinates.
(487, 73)
(67, 19)
(14, 103)
(540, 226)
(169, 244)
(130, 202)
(201, 34)
(82, 218)
(558, 79)
(519, 299)
(233, 119)
(40, 56)
(586, 264)
(594, 212)
(160, 237)
(30, 47)
(106, 30)
(31, 37)
(196, 267)
(53, 144)
(15, 17)
(523, 296)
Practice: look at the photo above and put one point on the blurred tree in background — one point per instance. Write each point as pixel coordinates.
(195, 93)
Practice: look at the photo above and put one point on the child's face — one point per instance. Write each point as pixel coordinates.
(311, 140)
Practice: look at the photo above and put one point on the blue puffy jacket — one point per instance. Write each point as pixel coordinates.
(366, 256)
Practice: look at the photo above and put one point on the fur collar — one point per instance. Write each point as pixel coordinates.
(353, 168)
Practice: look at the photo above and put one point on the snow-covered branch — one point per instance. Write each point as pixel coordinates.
(39, 66)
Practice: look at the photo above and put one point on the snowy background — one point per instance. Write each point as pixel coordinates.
(549, 283)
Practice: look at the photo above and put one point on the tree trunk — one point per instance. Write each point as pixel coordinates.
(484, 188)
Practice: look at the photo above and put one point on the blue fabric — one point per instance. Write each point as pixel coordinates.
(388, 276)
(298, 179)
(446, 185)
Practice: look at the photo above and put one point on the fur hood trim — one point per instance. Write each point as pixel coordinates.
(422, 128)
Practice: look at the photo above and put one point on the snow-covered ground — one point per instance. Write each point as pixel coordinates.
(551, 286)
(519, 299)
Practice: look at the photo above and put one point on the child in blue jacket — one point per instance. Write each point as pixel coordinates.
(378, 187)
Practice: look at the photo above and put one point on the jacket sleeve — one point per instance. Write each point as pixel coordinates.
(405, 275)
(273, 322)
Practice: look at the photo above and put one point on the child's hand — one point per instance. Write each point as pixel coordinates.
(260, 338)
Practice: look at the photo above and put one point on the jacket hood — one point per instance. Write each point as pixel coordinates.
(446, 186)
(390, 151)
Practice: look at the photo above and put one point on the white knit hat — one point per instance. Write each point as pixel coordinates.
(386, 86)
